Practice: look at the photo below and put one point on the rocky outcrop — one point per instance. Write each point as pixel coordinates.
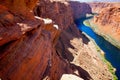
(45, 46)
(21, 58)
(22, 48)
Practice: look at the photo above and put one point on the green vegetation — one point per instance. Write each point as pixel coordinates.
(110, 67)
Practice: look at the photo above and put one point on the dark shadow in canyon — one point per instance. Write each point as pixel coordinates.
(84, 38)
(82, 73)
(80, 9)
(65, 42)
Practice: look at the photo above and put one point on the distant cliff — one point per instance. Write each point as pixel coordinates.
(107, 23)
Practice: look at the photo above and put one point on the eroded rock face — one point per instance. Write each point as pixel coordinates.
(23, 58)
(26, 44)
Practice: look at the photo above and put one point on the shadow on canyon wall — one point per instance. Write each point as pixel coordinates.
(82, 73)
(66, 39)
(65, 43)
(80, 9)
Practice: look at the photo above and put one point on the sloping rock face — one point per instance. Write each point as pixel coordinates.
(108, 25)
(43, 47)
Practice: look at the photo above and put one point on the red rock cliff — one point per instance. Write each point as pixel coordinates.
(27, 42)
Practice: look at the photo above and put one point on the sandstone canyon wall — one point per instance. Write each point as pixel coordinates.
(107, 24)
(45, 46)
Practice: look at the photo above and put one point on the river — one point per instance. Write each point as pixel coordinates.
(112, 53)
